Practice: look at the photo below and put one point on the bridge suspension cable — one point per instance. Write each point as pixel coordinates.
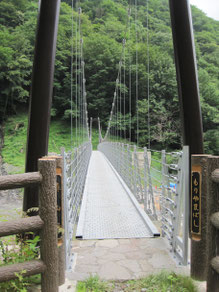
(148, 78)
(117, 123)
(79, 112)
(75, 161)
(130, 80)
(136, 73)
(121, 124)
(72, 51)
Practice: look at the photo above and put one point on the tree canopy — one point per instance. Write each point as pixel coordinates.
(103, 26)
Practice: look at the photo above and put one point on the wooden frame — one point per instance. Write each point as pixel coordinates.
(46, 223)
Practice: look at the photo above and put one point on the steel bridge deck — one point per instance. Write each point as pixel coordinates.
(107, 210)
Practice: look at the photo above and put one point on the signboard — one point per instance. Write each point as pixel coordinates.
(196, 202)
(59, 200)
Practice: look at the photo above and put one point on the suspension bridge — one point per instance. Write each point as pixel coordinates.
(120, 190)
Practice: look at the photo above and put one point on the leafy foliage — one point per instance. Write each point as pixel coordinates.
(15, 129)
(18, 252)
(103, 25)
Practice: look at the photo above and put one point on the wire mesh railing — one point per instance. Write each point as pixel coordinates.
(75, 170)
(160, 183)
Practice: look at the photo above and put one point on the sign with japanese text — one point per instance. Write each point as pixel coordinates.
(196, 202)
(59, 202)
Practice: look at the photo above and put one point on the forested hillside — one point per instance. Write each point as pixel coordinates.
(103, 26)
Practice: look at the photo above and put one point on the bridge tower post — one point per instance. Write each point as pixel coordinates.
(41, 92)
(187, 77)
(188, 90)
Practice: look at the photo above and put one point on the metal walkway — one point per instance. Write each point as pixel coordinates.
(108, 208)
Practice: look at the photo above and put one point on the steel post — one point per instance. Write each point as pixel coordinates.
(186, 204)
(41, 92)
(187, 79)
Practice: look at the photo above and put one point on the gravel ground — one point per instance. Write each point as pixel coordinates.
(10, 200)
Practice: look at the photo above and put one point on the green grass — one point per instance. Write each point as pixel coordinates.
(163, 282)
(15, 139)
(92, 284)
(13, 151)
(95, 138)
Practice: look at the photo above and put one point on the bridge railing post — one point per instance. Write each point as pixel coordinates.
(122, 161)
(146, 195)
(149, 204)
(126, 164)
(181, 210)
(66, 213)
(118, 156)
(48, 213)
(163, 187)
(135, 172)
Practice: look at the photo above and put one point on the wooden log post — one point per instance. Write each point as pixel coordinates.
(60, 219)
(33, 267)
(48, 213)
(21, 226)
(16, 181)
(213, 226)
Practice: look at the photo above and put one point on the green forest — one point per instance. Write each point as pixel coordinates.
(103, 26)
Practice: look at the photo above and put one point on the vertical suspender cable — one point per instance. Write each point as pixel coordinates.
(136, 39)
(117, 108)
(76, 82)
(118, 89)
(82, 96)
(72, 34)
(148, 79)
(124, 88)
(120, 99)
(130, 78)
(79, 69)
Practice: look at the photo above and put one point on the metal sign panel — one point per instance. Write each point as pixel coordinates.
(196, 202)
